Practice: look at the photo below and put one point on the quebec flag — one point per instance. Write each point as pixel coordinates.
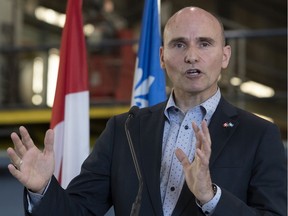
(149, 78)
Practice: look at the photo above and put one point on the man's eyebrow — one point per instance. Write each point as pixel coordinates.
(206, 39)
(199, 39)
(178, 39)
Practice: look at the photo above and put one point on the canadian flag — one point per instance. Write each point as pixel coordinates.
(70, 112)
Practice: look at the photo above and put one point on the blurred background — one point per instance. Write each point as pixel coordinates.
(30, 34)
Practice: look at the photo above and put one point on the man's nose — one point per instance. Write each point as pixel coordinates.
(191, 56)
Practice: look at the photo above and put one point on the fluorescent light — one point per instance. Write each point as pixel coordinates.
(235, 81)
(53, 64)
(89, 29)
(50, 16)
(38, 70)
(257, 89)
(55, 18)
(37, 99)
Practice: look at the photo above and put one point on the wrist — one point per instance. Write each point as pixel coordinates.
(209, 196)
(42, 190)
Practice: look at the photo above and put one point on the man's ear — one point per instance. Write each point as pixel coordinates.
(226, 56)
(162, 63)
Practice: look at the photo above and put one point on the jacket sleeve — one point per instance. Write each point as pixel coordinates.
(89, 192)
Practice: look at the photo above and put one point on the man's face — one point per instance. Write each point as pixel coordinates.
(193, 53)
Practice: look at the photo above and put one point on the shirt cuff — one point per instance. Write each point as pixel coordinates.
(209, 207)
(35, 198)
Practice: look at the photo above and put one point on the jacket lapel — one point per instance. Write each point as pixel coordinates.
(152, 124)
(223, 124)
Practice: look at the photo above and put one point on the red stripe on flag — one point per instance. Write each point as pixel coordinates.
(72, 78)
(72, 75)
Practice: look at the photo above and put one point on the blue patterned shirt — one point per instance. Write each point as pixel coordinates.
(178, 133)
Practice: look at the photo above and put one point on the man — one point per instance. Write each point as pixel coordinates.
(198, 154)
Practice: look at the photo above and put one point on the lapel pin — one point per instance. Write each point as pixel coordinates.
(228, 124)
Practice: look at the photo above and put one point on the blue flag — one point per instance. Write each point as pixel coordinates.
(149, 78)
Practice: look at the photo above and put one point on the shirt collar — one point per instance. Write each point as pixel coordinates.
(208, 107)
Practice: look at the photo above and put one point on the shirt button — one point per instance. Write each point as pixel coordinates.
(172, 188)
(186, 127)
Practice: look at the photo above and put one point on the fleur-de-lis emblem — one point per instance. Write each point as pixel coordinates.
(141, 88)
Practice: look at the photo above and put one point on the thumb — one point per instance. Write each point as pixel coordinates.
(49, 141)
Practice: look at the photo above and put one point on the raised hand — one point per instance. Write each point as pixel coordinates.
(31, 166)
(197, 172)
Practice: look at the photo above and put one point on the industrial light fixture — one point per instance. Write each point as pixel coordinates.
(257, 89)
(53, 64)
(235, 81)
(37, 80)
(50, 16)
(55, 18)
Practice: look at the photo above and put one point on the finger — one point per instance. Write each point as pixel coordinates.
(204, 146)
(202, 136)
(15, 172)
(195, 127)
(205, 138)
(203, 152)
(182, 157)
(20, 149)
(196, 132)
(49, 141)
(205, 131)
(202, 157)
(15, 159)
(26, 139)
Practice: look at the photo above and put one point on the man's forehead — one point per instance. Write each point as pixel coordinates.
(192, 30)
(191, 22)
(193, 16)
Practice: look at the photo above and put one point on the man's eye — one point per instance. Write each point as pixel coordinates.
(205, 44)
(179, 45)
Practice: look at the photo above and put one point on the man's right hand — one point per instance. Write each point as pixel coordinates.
(30, 166)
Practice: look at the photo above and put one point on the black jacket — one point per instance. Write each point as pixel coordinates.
(247, 162)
